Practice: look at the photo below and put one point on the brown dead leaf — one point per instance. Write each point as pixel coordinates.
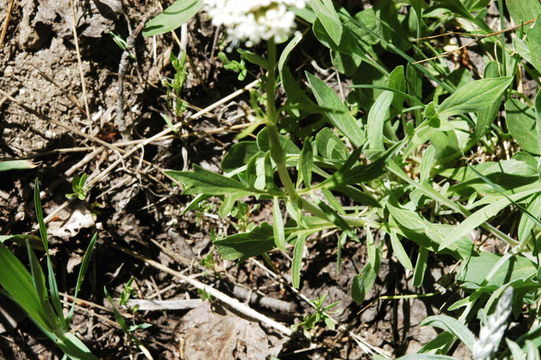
(70, 221)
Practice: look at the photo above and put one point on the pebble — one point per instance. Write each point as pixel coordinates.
(8, 71)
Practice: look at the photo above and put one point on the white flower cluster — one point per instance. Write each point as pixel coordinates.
(492, 331)
(254, 20)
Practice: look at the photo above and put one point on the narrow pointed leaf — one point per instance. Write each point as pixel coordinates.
(278, 225)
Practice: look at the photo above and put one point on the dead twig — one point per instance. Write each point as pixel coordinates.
(238, 291)
(233, 303)
(6, 22)
(479, 37)
(123, 65)
(163, 305)
(79, 61)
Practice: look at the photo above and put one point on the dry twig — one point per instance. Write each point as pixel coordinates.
(6, 22)
(124, 59)
(233, 303)
(478, 37)
(79, 61)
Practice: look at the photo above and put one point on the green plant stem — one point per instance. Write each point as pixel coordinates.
(277, 152)
(276, 149)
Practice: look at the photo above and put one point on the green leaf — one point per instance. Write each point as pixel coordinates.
(239, 155)
(306, 162)
(486, 117)
(207, 182)
(452, 325)
(82, 272)
(340, 116)
(330, 146)
(51, 279)
(521, 122)
(474, 96)
(287, 51)
(20, 239)
(254, 58)
(173, 17)
(507, 174)
(376, 118)
(420, 267)
(397, 82)
(326, 13)
(363, 198)
(483, 215)
(399, 252)
(18, 284)
(534, 44)
(347, 174)
(16, 165)
(427, 163)
(278, 225)
(516, 352)
(286, 144)
(241, 246)
(413, 226)
(297, 100)
(333, 216)
(363, 283)
(296, 264)
(475, 271)
(523, 10)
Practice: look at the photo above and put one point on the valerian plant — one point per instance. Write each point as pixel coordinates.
(393, 160)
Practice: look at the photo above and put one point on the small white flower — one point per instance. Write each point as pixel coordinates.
(254, 20)
(492, 331)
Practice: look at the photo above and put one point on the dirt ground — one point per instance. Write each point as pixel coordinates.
(53, 78)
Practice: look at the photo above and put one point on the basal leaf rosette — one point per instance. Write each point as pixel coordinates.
(251, 21)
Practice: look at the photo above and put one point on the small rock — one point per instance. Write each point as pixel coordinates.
(8, 71)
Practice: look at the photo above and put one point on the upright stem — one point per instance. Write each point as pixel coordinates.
(277, 152)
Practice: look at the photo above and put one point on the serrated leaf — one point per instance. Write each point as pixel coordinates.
(173, 17)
